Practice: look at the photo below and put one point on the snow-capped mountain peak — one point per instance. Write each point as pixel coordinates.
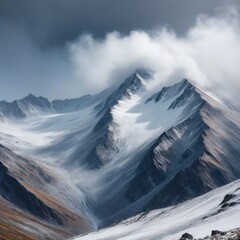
(24, 107)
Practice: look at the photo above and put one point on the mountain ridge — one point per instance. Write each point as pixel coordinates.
(128, 150)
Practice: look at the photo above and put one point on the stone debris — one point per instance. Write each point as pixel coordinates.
(216, 235)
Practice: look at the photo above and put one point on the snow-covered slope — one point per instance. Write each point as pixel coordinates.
(216, 210)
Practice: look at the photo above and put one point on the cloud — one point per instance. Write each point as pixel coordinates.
(209, 55)
(54, 22)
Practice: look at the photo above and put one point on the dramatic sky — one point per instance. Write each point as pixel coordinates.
(67, 48)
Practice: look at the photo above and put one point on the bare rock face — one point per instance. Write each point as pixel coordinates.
(186, 236)
(216, 232)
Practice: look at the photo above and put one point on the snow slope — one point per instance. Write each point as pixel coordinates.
(218, 209)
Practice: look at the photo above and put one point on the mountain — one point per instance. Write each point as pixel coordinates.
(157, 152)
(99, 145)
(123, 151)
(19, 109)
(191, 157)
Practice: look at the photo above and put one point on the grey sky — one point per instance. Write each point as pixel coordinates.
(34, 35)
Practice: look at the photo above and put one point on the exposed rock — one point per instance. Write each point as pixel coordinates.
(222, 235)
(227, 198)
(186, 236)
(216, 232)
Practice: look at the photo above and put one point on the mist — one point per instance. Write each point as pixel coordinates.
(208, 55)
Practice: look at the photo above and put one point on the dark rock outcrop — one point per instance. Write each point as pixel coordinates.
(186, 236)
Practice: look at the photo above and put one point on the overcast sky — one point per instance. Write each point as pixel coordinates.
(35, 37)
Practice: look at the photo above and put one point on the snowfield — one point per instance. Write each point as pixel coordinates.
(198, 217)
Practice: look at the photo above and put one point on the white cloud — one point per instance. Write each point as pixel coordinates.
(209, 55)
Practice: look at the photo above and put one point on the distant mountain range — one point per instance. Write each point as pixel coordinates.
(31, 104)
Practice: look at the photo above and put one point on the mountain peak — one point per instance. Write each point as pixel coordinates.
(21, 108)
(30, 95)
(185, 81)
(144, 73)
(130, 86)
(172, 91)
